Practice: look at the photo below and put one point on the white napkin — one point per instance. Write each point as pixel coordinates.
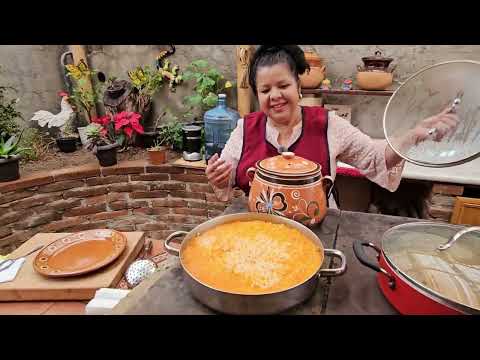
(10, 273)
(105, 300)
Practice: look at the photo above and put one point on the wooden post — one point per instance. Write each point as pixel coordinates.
(244, 93)
(79, 53)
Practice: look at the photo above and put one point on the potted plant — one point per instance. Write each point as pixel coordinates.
(83, 95)
(10, 154)
(208, 83)
(122, 127)
(171, 133)
(146, 83)
(102, 144)
(157, 154)
(67, 139)
(8, 113)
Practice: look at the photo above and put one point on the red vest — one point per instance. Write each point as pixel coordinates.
(312, 143)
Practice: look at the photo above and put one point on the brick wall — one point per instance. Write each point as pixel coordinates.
(130, 196)
(441, 201)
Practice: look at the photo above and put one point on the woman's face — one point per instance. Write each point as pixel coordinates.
(278, 92)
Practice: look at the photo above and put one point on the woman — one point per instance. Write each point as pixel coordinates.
(310, 132)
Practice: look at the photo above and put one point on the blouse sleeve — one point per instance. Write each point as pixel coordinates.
(366, 154)
(231, 154)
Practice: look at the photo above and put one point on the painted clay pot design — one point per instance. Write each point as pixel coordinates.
(290, 186)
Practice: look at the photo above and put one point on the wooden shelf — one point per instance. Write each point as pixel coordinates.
(348, 92)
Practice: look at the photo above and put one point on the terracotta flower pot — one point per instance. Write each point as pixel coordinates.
(157, 156)
(289, 186)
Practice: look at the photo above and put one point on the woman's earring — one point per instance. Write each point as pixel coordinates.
(300, 95)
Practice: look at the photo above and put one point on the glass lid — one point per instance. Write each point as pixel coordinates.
(452, 274)
(419, 136)
(288, 164)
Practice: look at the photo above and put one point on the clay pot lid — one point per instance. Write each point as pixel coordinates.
(288, 164)
(377, 60)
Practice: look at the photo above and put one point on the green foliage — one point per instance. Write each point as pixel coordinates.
(97, 136)
(83, 95)
(171, 134)
(36, 144)
(10, 147)
(146, 80)
(157, 145)
(209, 82)
(8, 112)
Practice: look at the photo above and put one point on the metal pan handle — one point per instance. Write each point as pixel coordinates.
(170, 249)
(336, 271)
(362, 257)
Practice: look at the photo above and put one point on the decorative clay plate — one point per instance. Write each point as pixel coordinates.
(80, 253)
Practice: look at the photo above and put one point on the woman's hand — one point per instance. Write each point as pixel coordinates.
(436, 127)
(218, 172)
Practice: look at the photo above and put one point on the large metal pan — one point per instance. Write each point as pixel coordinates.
(241, 304)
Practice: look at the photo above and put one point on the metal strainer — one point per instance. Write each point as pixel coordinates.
(139, 270)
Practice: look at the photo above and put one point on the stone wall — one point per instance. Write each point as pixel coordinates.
(130, 196)
(35, 70)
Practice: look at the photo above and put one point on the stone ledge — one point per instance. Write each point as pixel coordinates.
(80, 172)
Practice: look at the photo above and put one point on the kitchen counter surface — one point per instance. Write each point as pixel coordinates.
(355, 292)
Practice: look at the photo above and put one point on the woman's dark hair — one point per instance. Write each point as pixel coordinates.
(269, 55)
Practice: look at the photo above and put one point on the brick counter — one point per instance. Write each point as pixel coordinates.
(130, 196)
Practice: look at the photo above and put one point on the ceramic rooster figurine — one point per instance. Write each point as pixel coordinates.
(59, 120)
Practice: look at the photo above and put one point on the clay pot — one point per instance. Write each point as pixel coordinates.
(376, 62)
(374, 80)
(313, 77)
(290, 186)
(157, 156)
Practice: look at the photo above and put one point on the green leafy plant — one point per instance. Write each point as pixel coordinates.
(8, 112)
(84, 95)
(68, 131)
(209, 82)
(171, 134)
(10, 147)
(147, 81)
(99, 136)
(157, 145)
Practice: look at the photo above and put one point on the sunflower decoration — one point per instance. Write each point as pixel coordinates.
(78, 71)
(138, 77)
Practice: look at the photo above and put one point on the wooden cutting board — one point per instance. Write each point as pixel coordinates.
(29, 285)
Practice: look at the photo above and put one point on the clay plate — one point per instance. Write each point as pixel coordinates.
(80, 253)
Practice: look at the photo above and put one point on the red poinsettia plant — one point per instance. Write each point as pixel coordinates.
(120, 127)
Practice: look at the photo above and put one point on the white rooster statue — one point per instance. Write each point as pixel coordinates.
(59, 120)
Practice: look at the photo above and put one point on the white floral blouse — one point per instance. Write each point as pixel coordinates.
(346, 144)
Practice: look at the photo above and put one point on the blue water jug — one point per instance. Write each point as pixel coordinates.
(219, 124)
